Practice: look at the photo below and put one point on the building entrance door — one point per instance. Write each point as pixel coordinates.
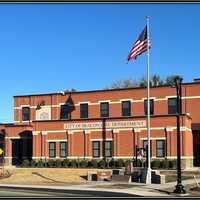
(196, 148)
(16, 151)
(21, 150)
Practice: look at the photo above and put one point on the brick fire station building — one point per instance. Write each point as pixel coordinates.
(103, 123)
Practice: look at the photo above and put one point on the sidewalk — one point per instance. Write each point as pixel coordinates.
(172, 184)
(135, 189)
(140, 189)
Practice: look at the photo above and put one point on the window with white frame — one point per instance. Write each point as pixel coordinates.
(96, 149)
(160, 148)
(52, 149)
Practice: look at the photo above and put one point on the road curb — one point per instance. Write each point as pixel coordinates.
(75, 190)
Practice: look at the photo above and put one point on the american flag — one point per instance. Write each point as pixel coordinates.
(140, 46)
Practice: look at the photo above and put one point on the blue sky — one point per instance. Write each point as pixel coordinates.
(51, 47)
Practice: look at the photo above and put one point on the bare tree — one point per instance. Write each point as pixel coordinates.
(126, 83)
(155, 81)
(170, 79)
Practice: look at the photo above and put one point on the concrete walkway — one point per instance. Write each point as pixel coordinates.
(137, 189)
(140, 189)
(172, 184)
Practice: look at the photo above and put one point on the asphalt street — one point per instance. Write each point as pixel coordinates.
(13, 192)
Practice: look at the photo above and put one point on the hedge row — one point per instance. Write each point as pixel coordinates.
(163, 164)
(155, 164)
(76, 163)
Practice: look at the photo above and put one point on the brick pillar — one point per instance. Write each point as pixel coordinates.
(187, 151)
(115, 141)
(137, 139)
(133, 140)
(8, 151)
(38, 148)
(35, 144)
(169, 141)
(46, 146)
(87, 143)
(43, 144)
(70, 143)
(57, 150)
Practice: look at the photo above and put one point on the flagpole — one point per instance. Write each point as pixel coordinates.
(148, 177)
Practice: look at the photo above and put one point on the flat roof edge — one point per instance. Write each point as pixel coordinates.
(100, 90)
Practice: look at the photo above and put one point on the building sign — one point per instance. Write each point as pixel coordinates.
(110, 124)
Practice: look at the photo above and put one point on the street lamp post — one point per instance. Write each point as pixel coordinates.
(179, 188)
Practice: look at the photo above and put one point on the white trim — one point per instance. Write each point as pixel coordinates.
(16, 137)
(16, 121)
(97, 158)
(7, 156)
(104, 101)
(152, 128)
(83, 102)
(112, 102)
(100, 139)
(57, 131)
(145, 98)
(43, 157)
(125, 157)
(138, 101)
(169, 128)
(57, 106)
(115, 130)
(78, 157)
(60, 104)
(100, 130)
(70, 132)
(44, 132)
(40, 157)
(88, 157)
(57, 140)
(136, 130)
(131, 100)
(13, 137)
(79, 131)
(35, 132)
(191, 97)
(45, 106)
(182, 128)
(27, 121)
(168, 97)
(160, 99)
(25, 105)
(125, 129)
(90, 104)
(114, 157)
(175, 157)
(185, 129)
(154, 138)
(87, 132)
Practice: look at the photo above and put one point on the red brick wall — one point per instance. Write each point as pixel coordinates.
(160, 106)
